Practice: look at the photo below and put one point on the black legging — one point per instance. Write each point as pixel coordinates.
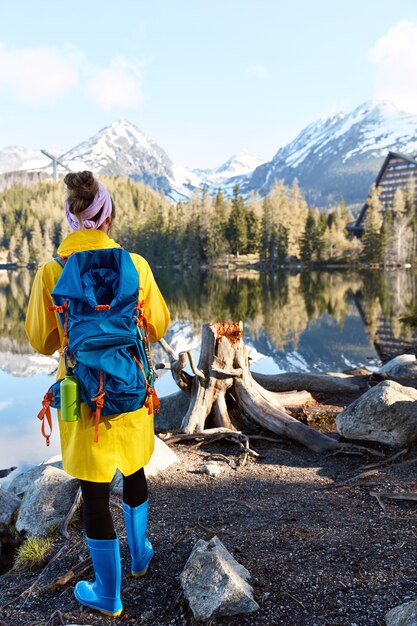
(98, 521)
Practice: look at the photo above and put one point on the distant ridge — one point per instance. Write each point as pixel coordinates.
(335, 156)
(339, 155)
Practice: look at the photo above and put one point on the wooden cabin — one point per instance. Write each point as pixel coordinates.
(395, 173)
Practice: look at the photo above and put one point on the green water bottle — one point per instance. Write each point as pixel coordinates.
(70, 398)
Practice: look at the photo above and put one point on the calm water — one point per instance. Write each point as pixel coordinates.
(316, 321)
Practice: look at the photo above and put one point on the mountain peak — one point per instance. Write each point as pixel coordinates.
(240, 163)
(328, 155)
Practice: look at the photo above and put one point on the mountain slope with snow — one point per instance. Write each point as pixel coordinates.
(18, 158)
(336, 156)
(339, 155)
(121, 149)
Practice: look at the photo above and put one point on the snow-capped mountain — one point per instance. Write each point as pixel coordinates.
(341, 154)
(17, 158)
(234, 171)
(335, 156)
(121, 149)
(241, 164)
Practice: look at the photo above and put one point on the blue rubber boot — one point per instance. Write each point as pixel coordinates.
(104, 593)
(141, 550)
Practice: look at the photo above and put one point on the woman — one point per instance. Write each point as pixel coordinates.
(125, 441)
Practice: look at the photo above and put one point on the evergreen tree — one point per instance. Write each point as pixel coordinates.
(308, 239)
(282, 244)
(24, 256)
(11, 253)
(253, 228)
(36, 244)
(237, 231)
(372, 251)
(268, 231)
(319, 238)
(220, 211)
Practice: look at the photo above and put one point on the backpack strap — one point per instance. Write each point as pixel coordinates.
(143, 332)
(152, 402)
(62, 309)
(99, 400)
(61, 260)
(45, 413)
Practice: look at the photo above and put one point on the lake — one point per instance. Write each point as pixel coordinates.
(294, 321)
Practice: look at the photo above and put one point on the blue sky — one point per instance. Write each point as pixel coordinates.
(203, 79)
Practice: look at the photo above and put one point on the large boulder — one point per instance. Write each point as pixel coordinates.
(403, 615)
(214, 583)
(46, 504)
(23, 482)
(386, 413)
(9, 503)
(403, 366)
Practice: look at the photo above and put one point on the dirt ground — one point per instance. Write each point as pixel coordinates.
(321, 550)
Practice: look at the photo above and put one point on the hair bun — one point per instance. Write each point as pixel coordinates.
(81, 185)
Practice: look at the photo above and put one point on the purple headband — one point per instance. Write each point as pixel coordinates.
(101, 200)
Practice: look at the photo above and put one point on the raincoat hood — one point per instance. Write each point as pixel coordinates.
(85, 240)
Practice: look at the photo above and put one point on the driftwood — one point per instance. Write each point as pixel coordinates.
(379, 495)
(78, 500)
(70, 575)
(314, 383)
(222, 376)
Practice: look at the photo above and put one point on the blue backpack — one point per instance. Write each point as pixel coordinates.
(105, 335)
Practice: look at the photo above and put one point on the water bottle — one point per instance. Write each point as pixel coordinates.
(70, 398)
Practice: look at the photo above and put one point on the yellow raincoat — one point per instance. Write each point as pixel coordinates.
(125, 441)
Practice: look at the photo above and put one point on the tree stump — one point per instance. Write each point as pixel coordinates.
(222, 373)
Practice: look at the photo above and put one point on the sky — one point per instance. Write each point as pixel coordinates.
(202, 79)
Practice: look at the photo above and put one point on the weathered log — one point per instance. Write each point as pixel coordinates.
(178, 363)
(315, 383)
(216, 352)
(223, 368)
(284, 398)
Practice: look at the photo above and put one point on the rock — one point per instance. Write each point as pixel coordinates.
(211, 468)
(162, 458)
(48, 501)
(6, 472)
(402, 615)
(9, 503)
(173, 409)
(386, 413)
(23, 482)
(403, 366)
(214, 583)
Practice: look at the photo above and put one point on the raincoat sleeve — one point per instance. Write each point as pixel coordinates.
(41, 324)
(155, 310)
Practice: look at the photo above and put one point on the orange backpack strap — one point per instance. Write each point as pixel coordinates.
(62, 309)
(99, 400)
(45, 413)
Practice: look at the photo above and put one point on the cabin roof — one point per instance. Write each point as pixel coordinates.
(356, 227)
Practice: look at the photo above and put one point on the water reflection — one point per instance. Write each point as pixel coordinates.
(280, 305)
(318, 321)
